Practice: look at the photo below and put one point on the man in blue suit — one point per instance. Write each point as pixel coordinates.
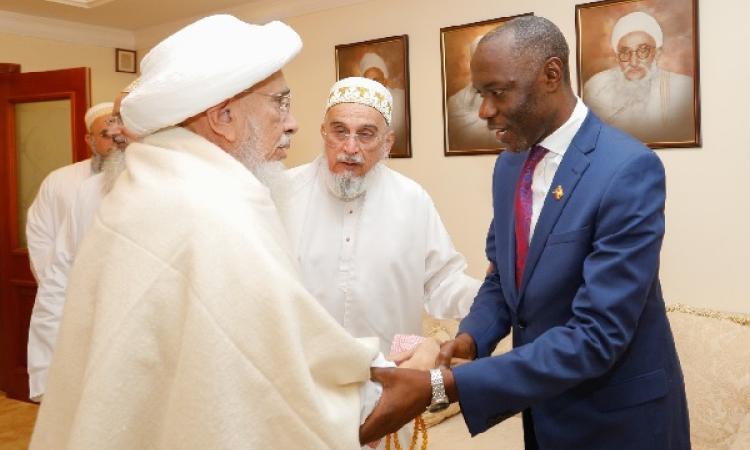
(575, 241)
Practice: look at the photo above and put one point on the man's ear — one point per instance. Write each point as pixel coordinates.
(222, 120)
(553, 73)
(390, 139)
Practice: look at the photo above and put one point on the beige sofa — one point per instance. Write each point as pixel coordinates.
(714, 349)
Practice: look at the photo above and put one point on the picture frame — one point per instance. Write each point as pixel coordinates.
(464, 132)
(638, 68)
(385, 60)
(125, 60)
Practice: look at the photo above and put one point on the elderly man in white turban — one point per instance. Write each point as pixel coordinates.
(373, 66)
(53, 279)
(186, 325)
(637, 96)
(57, 191)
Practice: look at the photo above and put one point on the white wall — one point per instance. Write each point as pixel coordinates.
(708, 218)
(38, 54)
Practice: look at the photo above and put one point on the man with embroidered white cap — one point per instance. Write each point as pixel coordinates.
(53, 279)
(186, 324)
(638, 96)
(58, 189)
(373, 66)
(369, 241)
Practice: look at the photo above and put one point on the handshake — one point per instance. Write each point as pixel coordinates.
(408, 388)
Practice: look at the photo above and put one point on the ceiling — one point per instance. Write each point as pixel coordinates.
(124, 14)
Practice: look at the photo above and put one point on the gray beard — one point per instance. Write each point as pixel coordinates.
(346, 185)
(112, 166)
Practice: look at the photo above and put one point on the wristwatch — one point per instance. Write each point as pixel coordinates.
(439, 399)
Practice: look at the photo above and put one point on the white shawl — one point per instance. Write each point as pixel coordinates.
(186, 325)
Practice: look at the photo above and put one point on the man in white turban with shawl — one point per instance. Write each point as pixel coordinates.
(186, 325)
(638, 96)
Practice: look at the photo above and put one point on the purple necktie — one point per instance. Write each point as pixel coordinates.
(524, 201)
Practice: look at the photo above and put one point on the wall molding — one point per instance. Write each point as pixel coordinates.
(82, 3)
(65, 31)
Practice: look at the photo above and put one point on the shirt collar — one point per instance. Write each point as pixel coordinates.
(560, 139)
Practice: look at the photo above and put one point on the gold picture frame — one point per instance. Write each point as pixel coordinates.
(651, 91)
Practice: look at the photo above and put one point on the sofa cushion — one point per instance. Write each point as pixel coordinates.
(714, 351)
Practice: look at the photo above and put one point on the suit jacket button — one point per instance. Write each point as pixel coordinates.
(522, 324)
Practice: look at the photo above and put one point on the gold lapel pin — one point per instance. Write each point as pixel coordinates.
(558, 192)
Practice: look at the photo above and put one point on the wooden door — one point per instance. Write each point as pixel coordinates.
(42, 128)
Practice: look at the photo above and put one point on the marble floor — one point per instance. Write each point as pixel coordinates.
(16, 422)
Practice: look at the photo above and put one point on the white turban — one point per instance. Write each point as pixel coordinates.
(202, 65)
(364, 91)
(636, 21)
(372, 60)
(96, 111)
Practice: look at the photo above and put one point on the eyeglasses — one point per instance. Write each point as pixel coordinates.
(283, 101)
(342, 135)
(643, 51)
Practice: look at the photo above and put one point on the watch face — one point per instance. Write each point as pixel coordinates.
(435, 407)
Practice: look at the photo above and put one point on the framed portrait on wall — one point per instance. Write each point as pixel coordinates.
(125, 60)
(385, 60)
(464, 133)
(638, 68)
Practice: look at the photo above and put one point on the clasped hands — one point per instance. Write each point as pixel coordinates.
(407, 391)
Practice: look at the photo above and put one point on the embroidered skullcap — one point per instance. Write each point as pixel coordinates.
(202, 65)
(96, 111)
(364, 91)
(636, 21)
(372, 60)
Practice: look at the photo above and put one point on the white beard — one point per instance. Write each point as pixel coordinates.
(111, 167)
(634, 91)
(273, 175)
(346, 185)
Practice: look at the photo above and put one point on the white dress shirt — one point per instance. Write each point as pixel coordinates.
(53, 281)
(376, 262)
(48, 210)
(557, 144)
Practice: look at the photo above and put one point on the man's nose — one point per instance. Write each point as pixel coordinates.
(487, 109)
(290, 124)
(351, 145)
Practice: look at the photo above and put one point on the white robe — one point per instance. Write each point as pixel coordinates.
(376, 262)
(50, 294)
(664, 114)
(186, 325)
(48, 210)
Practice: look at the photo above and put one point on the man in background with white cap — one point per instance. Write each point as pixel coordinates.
(53, 279)
(186, 324)
(637, 96)
(57, 191)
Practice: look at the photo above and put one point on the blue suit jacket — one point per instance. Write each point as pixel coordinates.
(594, 362)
